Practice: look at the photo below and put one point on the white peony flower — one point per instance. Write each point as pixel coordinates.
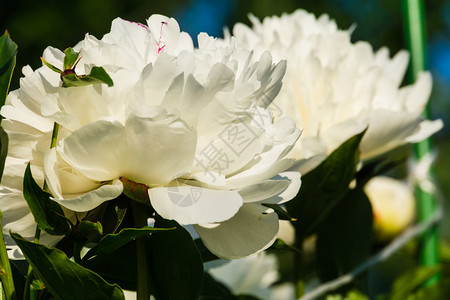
(191, 124)
(334, 89)
(393, 206)
(255, 275)
(29, 136)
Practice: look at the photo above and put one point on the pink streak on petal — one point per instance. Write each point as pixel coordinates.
(142, 25)
(160, 43)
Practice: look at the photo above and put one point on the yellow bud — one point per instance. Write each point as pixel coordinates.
(393, 206)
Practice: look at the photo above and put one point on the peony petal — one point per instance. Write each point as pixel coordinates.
(248, 232)
(276, 190)
(335, 136)
(152, 148)
(94, 150)
(194, 205)
(264, 190)
(73, 190)
(258, 173)
(388, 130)
(417, 94)
(16, 110)
(134, 36)
(94, 198)
(62, 180)
(425, 129)
(290, 192)
(160, 148)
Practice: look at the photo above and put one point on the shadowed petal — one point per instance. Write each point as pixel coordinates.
(248, 232)
(194, 205)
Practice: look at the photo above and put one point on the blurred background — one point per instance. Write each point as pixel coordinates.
(34, 25)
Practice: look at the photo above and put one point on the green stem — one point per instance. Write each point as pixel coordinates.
(26, 292)
(37, 233)
(5, 270)
(52, 145)
(54, 135)
(299, 271)
(143, 275)
(413, 11)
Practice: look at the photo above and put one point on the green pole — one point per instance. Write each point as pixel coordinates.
(414, 18)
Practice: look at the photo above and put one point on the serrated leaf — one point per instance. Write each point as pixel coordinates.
(344, 238)
(63, 278)
(112, 242)
(176, 263)
(8, 52)
(282, 214)
(97, 75)
(323, 187)
(3, 150)
(70, 58)
(47, 213)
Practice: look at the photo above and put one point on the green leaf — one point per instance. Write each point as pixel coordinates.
(280, 245)
(8, 52)
(86, 232)
(112, 242)
(70, 58)
(122, 272)
(282, 214)
(6, 275)
(71, 79)
(437, 291)
(3, 150)
(90, 230)
(382, 164)
(344, 238)
(47, 213)
(51, 67)
(324, 187)
(37, 288)
(412, 280)
(351, 295)
(110, 214)
(176, 263)
(246, 297)
(64, 278)
(213, 289)
(97, 75)
(204, 252)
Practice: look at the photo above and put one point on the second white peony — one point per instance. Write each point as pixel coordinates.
(334, 88)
